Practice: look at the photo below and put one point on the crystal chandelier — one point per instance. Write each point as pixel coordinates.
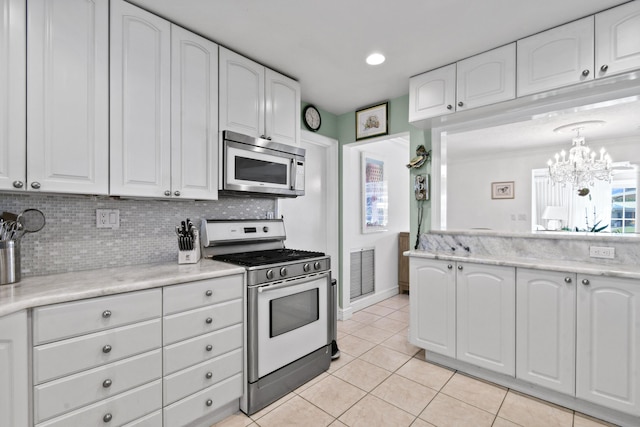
(581, 168)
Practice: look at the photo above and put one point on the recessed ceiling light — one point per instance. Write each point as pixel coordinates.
(375, 59)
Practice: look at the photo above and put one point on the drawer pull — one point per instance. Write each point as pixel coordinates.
(585, 282)
(209, 375)
(209, 402)
(106, 348)
(209, 347)
(209, 292)
(106, 314)
(106, 383)
(107, 418)
(567, 280)
(209, 320)
(459, 267)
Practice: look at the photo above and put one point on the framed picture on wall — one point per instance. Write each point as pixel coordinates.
(375, 206)
(502, 190)
(372, 121)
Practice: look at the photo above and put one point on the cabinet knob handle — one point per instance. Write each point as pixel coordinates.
(106, 314)
(263, 136)
(209, 320)
(107, 418)
(209, 292)
(209, 375)
(459, 267)
(209, 347)
(449, 266)
(567, 280)
(35, 185)
(460, 104)
(585, 282)
(585, 73)
(176, 193)
(106, 349)
(449, 107)
(18, 184)
(167, 193)
(268, 138)
(107, 383)
(604, 68)
(209, 402)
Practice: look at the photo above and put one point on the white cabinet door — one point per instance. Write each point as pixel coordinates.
(13, 38)
(14, 370)
(140, 102)
(487, 78)
(608, 342)
(194, 116)
(433, 305)
(486, 318)
(558, 57)
(282, 96)
(618, 39)
(241, 94)
(68, 81)
(432, 93)
(546, 327)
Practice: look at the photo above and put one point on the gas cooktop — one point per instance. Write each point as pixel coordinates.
(266, 257)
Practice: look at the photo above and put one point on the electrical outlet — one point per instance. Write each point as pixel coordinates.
(602, 252)
(108, 218)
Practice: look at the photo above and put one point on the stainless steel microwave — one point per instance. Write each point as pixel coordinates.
(260, 167)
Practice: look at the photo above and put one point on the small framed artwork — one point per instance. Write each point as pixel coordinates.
(502, 190)
(372, 121)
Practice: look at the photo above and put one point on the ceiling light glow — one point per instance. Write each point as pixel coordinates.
(375, 59)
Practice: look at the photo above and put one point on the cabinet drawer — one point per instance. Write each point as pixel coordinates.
(188, 381)
(200, 321)
(66, 394)
(120, 409)
(195, 350)
(51, 361)
(60, 321)
(199, 294)
(152, 420)
(205, 402)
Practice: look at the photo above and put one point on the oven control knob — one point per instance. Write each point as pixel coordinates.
(270, 274)
(306, 267)
(283, 272)
(316, 265)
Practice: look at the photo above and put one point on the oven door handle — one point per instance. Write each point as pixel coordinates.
(294, 282)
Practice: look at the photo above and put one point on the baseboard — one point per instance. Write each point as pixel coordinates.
(345, 313)
(370, 300)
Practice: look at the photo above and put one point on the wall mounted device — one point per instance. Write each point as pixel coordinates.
(421, 187)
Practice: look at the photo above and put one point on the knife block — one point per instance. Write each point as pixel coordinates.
(192, 256)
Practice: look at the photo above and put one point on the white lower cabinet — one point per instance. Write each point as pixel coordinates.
(546, 328)
(608, 342)
(14, 370)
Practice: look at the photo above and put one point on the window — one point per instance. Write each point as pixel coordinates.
(623, 209)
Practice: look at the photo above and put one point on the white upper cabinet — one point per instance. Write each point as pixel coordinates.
(140, 102)
(486, 300)
(608, 342)
(432, 93)
(487, 78)
(618, 39)
(546, 327)
(282, 109)
(13, 38)
(194, 116)
(257, 101)
(558, 57)
(68, 96)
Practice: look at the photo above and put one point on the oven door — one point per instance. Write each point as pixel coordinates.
(292, 320)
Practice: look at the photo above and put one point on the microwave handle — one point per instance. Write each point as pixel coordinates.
(294, 174)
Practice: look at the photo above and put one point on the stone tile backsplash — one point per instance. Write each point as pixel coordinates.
(70, 240)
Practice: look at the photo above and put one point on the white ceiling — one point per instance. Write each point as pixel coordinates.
(323, 43)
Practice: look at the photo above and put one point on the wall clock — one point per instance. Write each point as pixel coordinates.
(312, 119)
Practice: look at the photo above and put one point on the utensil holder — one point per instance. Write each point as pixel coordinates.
(9, 261)
(191, 256)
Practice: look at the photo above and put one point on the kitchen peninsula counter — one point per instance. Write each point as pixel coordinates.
(51, 289)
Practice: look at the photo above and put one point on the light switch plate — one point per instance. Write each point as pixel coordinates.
(108, 218)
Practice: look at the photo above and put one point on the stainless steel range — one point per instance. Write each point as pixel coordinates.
(290, 306)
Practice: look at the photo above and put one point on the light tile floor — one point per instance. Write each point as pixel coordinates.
(382, 380)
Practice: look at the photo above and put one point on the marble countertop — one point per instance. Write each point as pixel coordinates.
(611, 270)
(43, 290)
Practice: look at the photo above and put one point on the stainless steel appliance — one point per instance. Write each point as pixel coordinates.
(255, 166)
(290, 306)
